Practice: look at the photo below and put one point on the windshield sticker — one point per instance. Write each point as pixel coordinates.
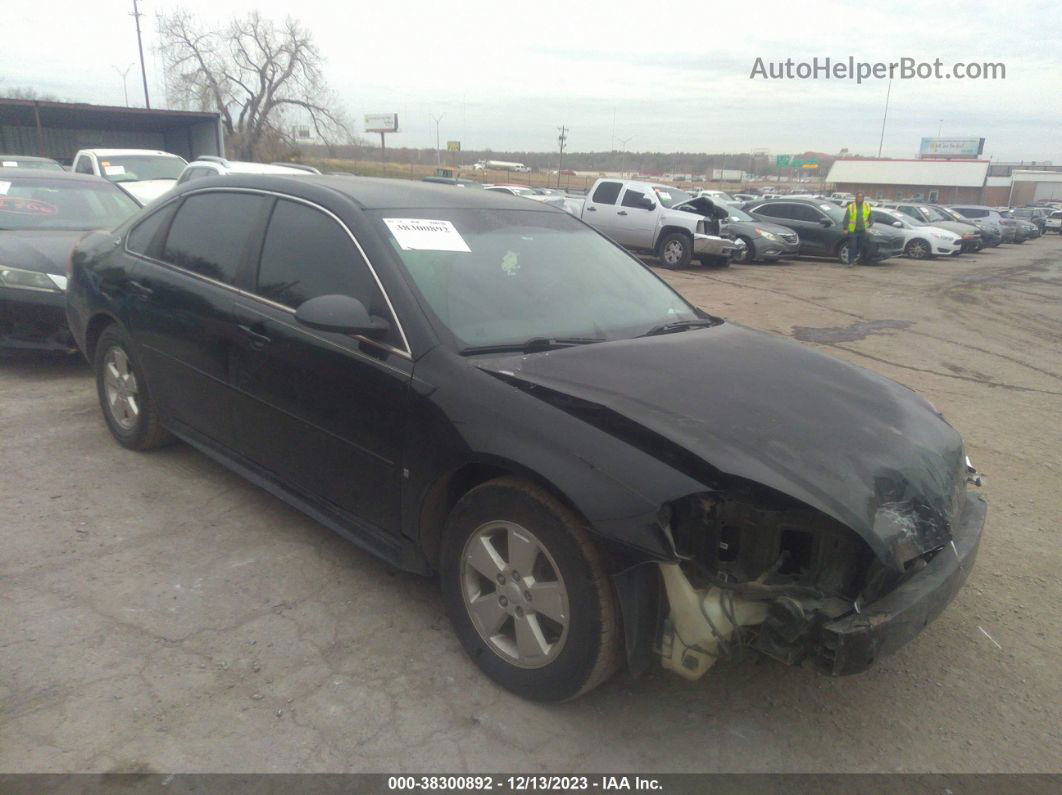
(113, 171)
(422, 234)
(4, 187)
(10, 164)
(510, 263)
(17, 206)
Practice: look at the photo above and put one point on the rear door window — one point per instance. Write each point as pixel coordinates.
(211, 231)
(607, 193)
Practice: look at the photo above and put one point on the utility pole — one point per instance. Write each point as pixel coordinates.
(437, 119)
(125, 84)
(560, 159)
(884, 117)
(140, 46)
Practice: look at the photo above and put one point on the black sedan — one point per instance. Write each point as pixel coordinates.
(485, 389)
(820, 225)
(42, 215)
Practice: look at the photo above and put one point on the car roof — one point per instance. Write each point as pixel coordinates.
(34, 158)
(375, 193)
(118, 152)
(32, 173)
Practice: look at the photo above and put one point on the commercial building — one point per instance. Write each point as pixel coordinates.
(945, 181)
(59, 129)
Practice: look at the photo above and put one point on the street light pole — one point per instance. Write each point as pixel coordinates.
(560, 159)
(623, 154)
(437, 119)
(884, 117)
(125, 84)
(140, 45)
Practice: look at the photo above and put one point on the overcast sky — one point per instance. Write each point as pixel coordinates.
(674, 76)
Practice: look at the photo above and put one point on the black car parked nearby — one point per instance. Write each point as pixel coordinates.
(820, 227)
(43, 213)
(472, 385)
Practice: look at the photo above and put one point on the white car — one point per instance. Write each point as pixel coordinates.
(143, 173)
(715, 195)
(1053, 222)
(215, 166)
(919, 242)
(529, 193)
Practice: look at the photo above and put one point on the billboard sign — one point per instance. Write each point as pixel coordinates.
(381, 122)
(951, 147)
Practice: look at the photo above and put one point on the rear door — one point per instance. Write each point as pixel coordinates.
(636, 225)
(788, 214)
(602, 205)
(181, 313)
(321, 411)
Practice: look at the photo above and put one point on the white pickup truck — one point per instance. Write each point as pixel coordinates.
(647, 217)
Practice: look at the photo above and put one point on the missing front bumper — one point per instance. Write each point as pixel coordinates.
(850, 644)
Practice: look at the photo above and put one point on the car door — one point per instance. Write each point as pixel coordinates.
(321, 411)
(823, 233)
(601, 207)
(181, 312)
(786, 214)
(635, 223)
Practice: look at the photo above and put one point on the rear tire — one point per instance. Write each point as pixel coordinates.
(128, 407)
(562, 641)
(676, 250)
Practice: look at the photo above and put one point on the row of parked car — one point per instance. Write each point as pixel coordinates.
(599, 474)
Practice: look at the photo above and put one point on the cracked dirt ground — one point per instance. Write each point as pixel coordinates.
(158, 613)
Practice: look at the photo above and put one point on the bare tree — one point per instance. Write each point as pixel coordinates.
(257, 75)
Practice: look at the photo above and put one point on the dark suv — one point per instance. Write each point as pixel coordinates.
(476, 386)
(820, 226)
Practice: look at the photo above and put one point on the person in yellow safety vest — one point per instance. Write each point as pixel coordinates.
(857, 222)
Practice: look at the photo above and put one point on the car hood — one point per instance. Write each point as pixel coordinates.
(147, 190)
(958, 227)
(45, 251)
(747, 405)
(702, 205)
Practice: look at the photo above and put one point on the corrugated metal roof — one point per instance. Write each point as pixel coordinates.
(957, 173)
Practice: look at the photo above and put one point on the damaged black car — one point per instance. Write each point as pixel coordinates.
(599, 473)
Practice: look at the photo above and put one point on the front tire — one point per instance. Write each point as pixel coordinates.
(128, 407)
(918, 249)
(676, 249)
(527, 592)
(748, 254)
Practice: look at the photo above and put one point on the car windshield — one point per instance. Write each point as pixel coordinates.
(501, 277)
(136, 168)
(835, 213)
(39, 165)
(41, 203)
(943, 214)
(669, 196)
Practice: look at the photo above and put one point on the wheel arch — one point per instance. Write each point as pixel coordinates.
(93, 329)
(669, 229)
(448, 488)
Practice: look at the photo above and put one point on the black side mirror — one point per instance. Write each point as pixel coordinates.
(826, 222)
(646, 203)
(340, 314)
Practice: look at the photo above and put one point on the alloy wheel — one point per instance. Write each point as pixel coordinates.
(673, 252)
(514, 594)
(122, 391)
